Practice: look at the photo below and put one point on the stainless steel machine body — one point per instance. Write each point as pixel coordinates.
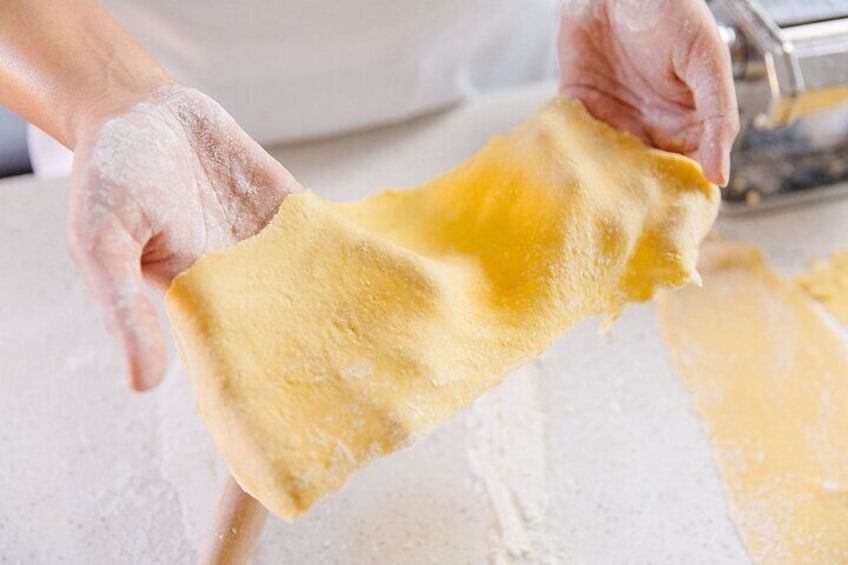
(790, 64)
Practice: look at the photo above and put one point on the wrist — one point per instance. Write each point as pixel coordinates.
(119, 73)
(113, 99)
(56, 71)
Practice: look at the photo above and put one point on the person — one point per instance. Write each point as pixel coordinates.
(162, 174)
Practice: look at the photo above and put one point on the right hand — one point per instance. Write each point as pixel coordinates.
(656, 68)
(160, 179)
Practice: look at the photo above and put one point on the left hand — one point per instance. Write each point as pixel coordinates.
(655, 68)
(161, 177)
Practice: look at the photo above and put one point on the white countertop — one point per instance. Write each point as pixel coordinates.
(616, 470)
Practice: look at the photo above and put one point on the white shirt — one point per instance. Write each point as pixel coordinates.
(294, 69)
(290, 69)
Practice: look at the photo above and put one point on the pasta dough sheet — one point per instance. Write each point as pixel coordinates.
(827, 282)
(342, 332)
(769, 379)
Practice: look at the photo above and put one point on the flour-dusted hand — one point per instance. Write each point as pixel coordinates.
(155, 185)
(657, 68)
(162, 174)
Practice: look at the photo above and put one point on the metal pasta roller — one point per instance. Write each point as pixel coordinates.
(790, 64)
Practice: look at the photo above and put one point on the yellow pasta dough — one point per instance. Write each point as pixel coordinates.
(827, 282)
(343, 331)
(769, 379)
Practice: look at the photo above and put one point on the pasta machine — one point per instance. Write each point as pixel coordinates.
(790, 66)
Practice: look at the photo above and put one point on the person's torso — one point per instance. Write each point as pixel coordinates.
(296, 68)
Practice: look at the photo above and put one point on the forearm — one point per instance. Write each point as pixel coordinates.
(59, 59)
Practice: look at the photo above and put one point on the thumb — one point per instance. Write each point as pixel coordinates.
(110, 261)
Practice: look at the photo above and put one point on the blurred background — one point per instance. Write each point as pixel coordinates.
(14, 157)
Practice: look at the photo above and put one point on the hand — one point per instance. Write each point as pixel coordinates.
(656, 68)
(158, 182)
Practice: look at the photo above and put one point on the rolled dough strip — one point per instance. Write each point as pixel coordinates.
(827, 282)
(769, 379)
(343, 331)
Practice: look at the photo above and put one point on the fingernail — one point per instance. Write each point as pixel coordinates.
(725, 169)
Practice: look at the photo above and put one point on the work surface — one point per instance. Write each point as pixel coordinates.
(589, 455)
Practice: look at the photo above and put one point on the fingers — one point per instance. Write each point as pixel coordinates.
(110, 261)
(706, 69)
(276, 183)
(278, 175)
(266, 184)
(269, 173)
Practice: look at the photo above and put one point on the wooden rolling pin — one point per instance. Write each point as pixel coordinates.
(236, 528)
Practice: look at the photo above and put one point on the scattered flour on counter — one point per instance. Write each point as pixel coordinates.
(506, 452)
